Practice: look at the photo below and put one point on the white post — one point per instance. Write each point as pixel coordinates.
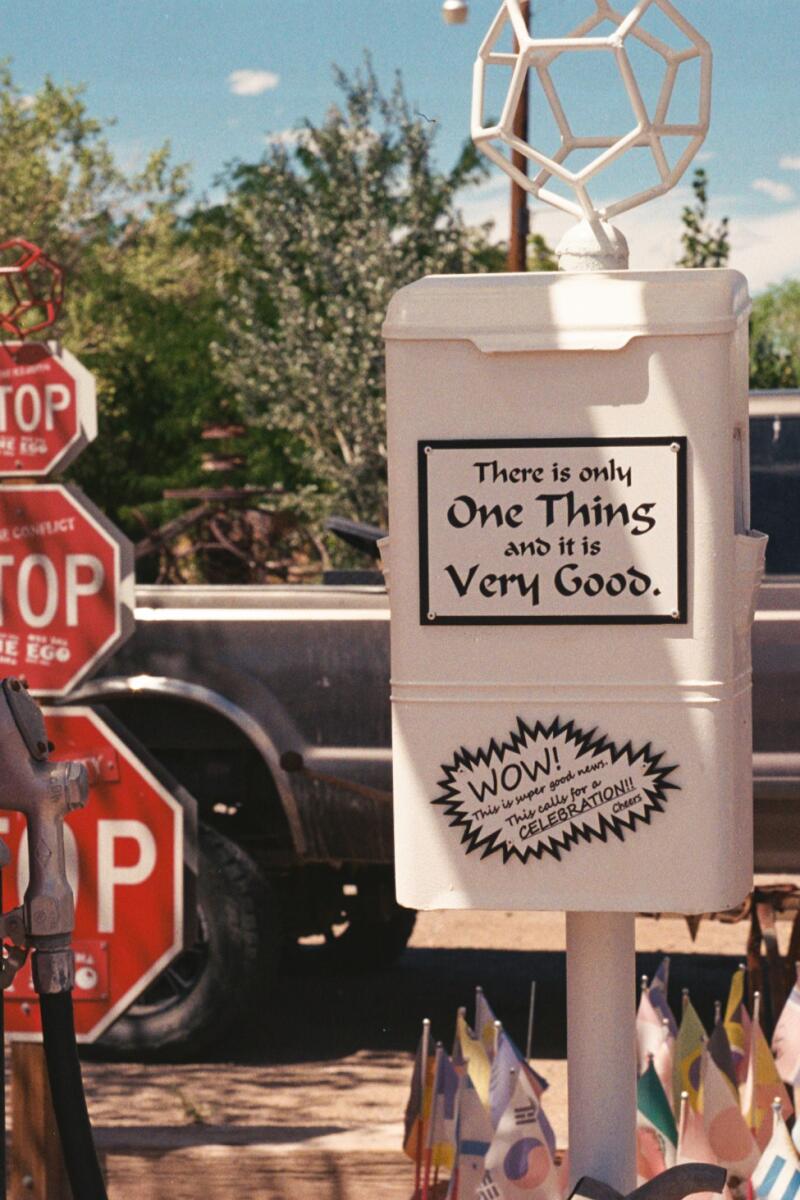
(601, 1048)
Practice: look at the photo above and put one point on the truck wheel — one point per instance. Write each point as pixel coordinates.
(373, 945)
(209, 989)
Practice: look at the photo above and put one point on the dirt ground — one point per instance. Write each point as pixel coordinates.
(312, 1106)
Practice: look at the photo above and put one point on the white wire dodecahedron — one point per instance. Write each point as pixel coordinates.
(648, 129)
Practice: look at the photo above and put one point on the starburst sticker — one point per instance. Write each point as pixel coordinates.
(547, 788)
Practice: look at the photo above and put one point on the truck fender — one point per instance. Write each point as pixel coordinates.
(179, 689)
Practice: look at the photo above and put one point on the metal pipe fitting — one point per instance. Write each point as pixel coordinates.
(45, 793)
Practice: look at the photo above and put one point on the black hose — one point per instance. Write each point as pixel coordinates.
(69, 1101)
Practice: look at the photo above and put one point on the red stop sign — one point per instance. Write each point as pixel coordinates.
(66, 586)
(48, 412)
(124, 854)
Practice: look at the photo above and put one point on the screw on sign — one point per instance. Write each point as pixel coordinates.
(125, 866)
(66, 586)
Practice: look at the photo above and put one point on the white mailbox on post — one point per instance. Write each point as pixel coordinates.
(572, 588)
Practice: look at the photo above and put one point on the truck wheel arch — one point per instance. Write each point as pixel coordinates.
(162, 687)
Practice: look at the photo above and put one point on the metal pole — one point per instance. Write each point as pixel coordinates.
(601, 1048)
(518, 233)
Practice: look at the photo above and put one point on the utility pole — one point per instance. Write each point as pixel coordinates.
(518, 231)
(455, 12)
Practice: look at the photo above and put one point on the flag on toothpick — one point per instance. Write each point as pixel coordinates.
(473, 1137)
(720, 1050)
(442, 1124)
(664, 1059)
(519, 1161)
(649, 1030)
(762, 1084)
(737, 1024)
(507, 1063)
(692, 1141)
(688, 1053)
(485, 1023)
(658, 995)
(786, 1038)
(777, 1175)
(656, 1134)
(728, 1136)
(476, 1058)
(420, 1096)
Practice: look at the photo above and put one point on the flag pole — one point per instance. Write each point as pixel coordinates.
(601, 1052)
(529, 1039)
(425, 1047)
(460, 1012)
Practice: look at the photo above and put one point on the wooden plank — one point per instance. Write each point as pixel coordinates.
(37, 1166)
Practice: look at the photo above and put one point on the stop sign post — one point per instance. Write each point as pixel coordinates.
(124, 854)
(66, 586)
(48, 412)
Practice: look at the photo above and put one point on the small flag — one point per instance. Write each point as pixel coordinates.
(688, 1052)
(762, 1085)
(786, 1039)
(485, 1023)
(476, 1058)
(720, 1050)
(420, 1096)
(473, 1137)
(664, 1059)
(658, 995)
(737, 1024)
(649, 1031)
(519, 1161)
(728, 1136)
(777, 1175)
(442, 1125)
(507, 1063)
(658, 1142)
(692, 1141)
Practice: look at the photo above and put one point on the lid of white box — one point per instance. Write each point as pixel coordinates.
(551, 310)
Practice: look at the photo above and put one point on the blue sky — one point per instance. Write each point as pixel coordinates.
(216, 78)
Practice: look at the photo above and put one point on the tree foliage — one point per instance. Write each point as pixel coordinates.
(141, 304)
(704, 243)
(321, 235)
(775, 338)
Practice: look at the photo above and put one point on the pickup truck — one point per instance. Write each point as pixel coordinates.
(271, 705)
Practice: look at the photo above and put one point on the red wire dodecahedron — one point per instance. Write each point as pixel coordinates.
(31, 288)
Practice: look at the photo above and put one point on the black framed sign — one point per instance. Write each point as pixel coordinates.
(559, 531)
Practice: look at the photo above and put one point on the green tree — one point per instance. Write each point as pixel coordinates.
(140, 307)
(541, 255)
(704, 243)
(775, 337)
(321, 235)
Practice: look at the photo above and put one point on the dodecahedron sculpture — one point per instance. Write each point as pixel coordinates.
(31, 288)
(649, 129)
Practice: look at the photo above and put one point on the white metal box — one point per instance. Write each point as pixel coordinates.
(572, 587)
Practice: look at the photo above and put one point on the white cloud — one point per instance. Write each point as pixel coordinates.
(247, 82)
(781, 193)
(790, 162)
(764, 247)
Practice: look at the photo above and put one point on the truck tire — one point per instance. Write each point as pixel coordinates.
(209, 990)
